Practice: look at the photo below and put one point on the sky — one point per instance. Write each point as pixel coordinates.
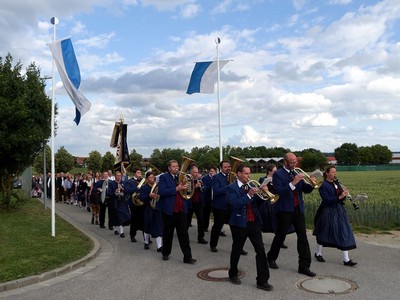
(301, 73)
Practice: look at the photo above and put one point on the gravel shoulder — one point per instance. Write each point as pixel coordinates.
(388, 239)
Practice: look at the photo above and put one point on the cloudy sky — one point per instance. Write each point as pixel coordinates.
(303, 73)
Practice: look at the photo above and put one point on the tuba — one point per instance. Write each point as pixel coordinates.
(264, 195)
(186, 178)
(135, 196)
(232, 174)
(307, 178)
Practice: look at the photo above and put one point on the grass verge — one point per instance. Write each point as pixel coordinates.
(27, 247)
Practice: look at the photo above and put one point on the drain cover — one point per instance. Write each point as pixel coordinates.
(327, 285)
(217, 274)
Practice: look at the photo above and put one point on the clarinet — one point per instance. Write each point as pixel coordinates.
(348, 197)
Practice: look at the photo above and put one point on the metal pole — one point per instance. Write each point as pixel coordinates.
(218, 41)
(53, 21)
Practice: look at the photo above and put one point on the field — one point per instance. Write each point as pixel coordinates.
(380, 212)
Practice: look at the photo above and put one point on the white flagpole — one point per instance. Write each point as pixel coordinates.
(218, 41)
(53, 21)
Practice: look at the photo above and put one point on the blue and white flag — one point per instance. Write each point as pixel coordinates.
(67, 65)
(202, 80)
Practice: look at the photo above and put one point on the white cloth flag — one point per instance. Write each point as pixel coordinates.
(68, 68)
(201, 80)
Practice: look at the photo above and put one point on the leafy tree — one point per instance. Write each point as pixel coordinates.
(366, 155)
(382, 154)
(347, 154)
(38, 163)
(95, 161)
(65, 162)
(25, 117)
(313, 159)
(108, 161)
(160, 159)
(136, 159)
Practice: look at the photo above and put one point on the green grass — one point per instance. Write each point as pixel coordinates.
(27, 247)
(381, 212)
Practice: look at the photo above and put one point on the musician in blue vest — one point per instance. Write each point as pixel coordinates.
(104, 193)
(174, 211)
(219, 204)
(245, 222)
(290, 185)
(206, 194)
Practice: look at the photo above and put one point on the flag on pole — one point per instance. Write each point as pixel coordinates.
(202, 80)
(68, 68)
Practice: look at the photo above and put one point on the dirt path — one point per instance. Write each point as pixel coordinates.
(391, 239)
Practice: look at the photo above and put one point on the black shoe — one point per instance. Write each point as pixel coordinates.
(235, 280)
(133, 240)
(110, 227)
(265, 286)
(146, 246)
(272, 264)
(150, 241)
(165, 257)
(283, 246)
(92, 221)
(122, 235)
(190, 261)
(222, 233)
(243, 252)
(203, 241)
(306, 271)
(319, 257)
(97, 222)
(116, 232)
(349, 263)
(102, 226)
(159, 249)
(213, 249)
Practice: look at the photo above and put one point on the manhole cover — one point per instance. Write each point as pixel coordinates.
(327, 285)
(217, 274)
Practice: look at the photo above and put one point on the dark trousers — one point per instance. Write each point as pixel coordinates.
(206, 214)
(198, 211)
(137, 219)
(102, 214)
(220, 218)
(239, 236)
(284, 220)
(178, 221)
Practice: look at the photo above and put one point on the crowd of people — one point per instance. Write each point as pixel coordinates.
(157, 204)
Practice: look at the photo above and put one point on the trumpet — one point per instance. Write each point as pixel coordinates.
(264, 195)
(307, 178)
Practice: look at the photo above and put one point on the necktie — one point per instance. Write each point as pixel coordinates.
(295, 192)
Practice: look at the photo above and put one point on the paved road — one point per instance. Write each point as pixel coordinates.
(119, 269)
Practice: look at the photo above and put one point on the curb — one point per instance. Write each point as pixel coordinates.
(23, 282)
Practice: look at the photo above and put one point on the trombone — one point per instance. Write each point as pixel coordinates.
(264, 195)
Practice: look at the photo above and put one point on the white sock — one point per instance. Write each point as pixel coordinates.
(146, 237)
(318, 250)
(121, 229)
(159, 242)
(346, 256)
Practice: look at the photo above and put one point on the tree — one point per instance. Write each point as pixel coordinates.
(136, 160)
(313, 159)
(108, 161)
(160, 159)
(38, 163)
(366, 156)
(25, 117)
(347, 154)
(382, 154)
(65, 162)
(95, 161)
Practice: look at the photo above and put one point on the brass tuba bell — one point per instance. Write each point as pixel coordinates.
(232, 174)
(186, 178)
(135, 196)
